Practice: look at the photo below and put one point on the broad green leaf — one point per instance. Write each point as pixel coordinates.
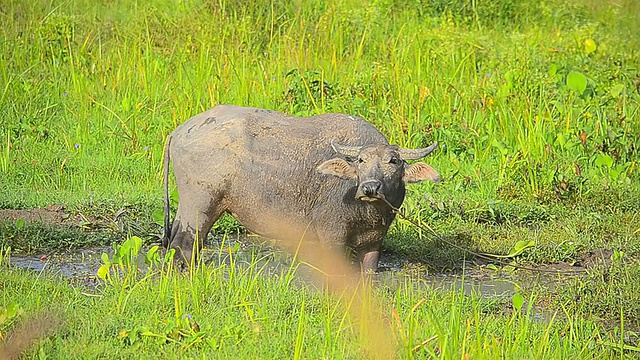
(103, 271)
(589, 46)
(117, 256)
(158, 216)
(173, 197)
(604, 160)
(577, 82)
(614, 174)
(517, 301)
(20, 224)
(616, 90)
(518, 248)
(123, 249)
(169, 255)
(136, 245)
(152, 256)
(133, 336)
(13, 310)
(523, 244)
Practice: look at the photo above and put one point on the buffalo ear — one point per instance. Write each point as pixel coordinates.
(338, 167)
(418, 172)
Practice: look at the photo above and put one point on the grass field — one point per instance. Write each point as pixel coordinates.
(242, 312)
(536, 106)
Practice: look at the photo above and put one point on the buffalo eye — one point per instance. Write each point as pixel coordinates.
(394, 161)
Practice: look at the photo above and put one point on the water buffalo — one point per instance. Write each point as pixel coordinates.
(324, 178)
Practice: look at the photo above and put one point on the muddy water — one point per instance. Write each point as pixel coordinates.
(81, 266)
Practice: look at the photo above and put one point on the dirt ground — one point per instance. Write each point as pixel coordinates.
(52, 214)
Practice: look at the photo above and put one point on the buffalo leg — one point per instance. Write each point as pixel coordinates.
(194, 218)
(369, 260)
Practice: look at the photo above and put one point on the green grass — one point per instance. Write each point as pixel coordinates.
(229, 311)
(92, 90)
(536, 105)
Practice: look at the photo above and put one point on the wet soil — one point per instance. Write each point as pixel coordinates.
(60, 216)
(81, 265)
(78, 266)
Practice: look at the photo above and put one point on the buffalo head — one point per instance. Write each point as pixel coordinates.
(380, 170)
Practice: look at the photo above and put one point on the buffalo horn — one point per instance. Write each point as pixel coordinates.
(346, 150)
(414, 154)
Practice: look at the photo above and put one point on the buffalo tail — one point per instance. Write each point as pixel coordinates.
(167, 206)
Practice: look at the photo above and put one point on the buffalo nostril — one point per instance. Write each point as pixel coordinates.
(368, 191)
(371, 188)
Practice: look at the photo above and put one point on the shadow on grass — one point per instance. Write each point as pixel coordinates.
(433, 252)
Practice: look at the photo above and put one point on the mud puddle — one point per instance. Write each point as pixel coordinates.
(80, 267)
